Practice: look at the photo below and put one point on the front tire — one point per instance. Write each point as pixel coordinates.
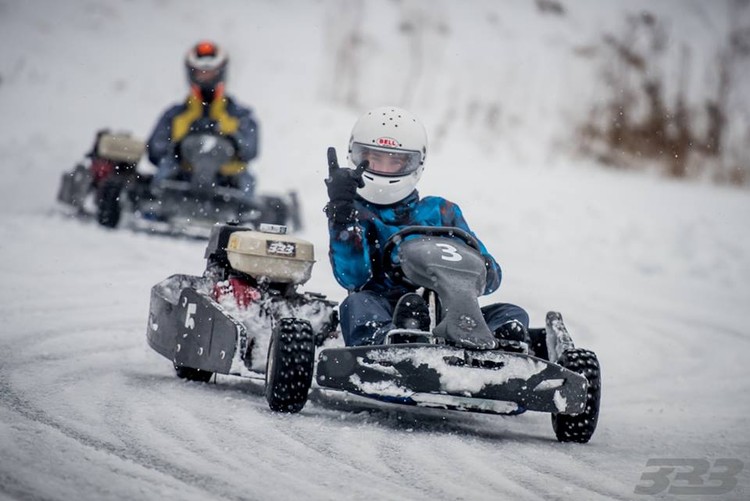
(109, 202)
(290, 364)
(580, 427)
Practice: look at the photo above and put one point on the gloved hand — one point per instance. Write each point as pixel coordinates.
(204, 124)
(233, 142)
(175, 150)
(342, 187)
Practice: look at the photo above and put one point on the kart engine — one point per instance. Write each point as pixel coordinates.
(277, 257)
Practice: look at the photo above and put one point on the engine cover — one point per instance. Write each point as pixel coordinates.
(280, 258)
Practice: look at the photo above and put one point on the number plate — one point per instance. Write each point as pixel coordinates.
(279, 248)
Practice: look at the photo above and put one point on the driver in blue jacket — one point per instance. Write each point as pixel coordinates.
(206, 109)
(372, 200)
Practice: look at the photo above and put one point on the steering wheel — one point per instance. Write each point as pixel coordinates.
(202, 143)
(393, 270)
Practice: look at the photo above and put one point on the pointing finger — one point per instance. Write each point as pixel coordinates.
(333, 161)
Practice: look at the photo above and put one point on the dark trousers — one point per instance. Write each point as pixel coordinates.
(366, 317)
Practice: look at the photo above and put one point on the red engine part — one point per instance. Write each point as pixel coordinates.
(243, 292)
(101, 169)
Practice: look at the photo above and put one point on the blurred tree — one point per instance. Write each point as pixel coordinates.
(649, 118)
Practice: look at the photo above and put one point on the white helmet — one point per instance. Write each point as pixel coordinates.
(395, 143)
(206, 64)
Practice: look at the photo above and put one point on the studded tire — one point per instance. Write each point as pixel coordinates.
(580, 427)
(110, 209)
(289, 368)
(193, 374)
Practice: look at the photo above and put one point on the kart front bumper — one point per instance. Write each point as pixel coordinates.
(430, 375)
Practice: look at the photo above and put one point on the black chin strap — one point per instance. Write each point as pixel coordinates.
(207, 94)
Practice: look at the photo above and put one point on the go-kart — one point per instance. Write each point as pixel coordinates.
(245, 315)
(190, 202)
(456, 364)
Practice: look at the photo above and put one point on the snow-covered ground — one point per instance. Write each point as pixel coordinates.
(652, 275)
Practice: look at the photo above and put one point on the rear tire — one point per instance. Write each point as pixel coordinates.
(580, 427)
(109, 202)
(290, 363)
(193, 374)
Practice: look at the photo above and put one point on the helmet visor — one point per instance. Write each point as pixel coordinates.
(386, 162)
(205, 77)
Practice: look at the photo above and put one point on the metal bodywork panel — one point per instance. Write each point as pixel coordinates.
(176, 199)
(188, 327)
(457, 273)
(432, 375)
(206, 336)
(191, 329)
(74, 186)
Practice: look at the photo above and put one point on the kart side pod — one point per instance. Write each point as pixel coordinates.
(280, 258)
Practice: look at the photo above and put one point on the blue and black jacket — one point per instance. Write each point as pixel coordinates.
(222, 115)
(355, 249)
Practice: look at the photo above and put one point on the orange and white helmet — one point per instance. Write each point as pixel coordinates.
(395, 143)
(206, 65)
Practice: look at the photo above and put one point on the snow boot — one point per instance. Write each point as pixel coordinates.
(412, 312)
(513, 337)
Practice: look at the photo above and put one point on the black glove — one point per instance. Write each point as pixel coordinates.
(175, 151)
(342, 187)
(233, 145)
(204, 124)
(235, 142)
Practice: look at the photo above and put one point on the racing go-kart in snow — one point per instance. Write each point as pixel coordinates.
(455, 365)
(198, 196)
(244, 316)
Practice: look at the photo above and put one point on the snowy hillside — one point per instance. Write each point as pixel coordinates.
(651, 274)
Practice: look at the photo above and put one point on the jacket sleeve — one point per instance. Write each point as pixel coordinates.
(160, 143)
(494, 273)
(350, 255)
(247, 134)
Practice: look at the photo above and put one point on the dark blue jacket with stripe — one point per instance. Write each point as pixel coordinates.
(222, 115)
